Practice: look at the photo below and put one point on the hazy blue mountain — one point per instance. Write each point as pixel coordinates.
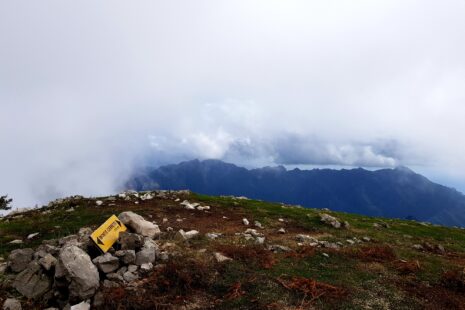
(397, 193)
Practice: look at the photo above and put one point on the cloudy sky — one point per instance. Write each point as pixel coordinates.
(89, 90)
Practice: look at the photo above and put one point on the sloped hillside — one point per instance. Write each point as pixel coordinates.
(202, 252)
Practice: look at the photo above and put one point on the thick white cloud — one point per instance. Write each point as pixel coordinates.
(88, 90)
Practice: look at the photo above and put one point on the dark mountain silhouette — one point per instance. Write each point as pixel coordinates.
(395, 193)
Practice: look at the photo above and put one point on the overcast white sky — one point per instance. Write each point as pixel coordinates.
(88, 89)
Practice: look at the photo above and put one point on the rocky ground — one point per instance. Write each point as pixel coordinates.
(187, 251)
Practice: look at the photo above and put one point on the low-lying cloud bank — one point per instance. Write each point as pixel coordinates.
(90, 91)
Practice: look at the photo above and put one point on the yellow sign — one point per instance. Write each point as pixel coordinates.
(108, 233)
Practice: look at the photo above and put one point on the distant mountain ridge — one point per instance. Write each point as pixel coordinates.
(396, 193)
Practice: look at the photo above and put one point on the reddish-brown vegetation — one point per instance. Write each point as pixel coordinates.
(434, 297)
(407, 267)
(302, 252)
(454, 280)
(379, 253)
(173, 284)
(235, 291)
(312, 289)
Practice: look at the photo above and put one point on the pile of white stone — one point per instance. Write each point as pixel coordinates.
(69, 273)
(194, 206)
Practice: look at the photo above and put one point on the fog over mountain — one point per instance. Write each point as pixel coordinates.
(92, 91)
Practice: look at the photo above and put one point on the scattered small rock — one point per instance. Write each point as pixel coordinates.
(147, 196)
(245, 222)
(32, 236)
(81, 306)
(276, 248)
(212, 236)
(12, 304)
(381, 225)
(330, 220)
(220, 258)
(329, 245)
(146, 267)
(306, 239)
(260, 240)
(418, 247)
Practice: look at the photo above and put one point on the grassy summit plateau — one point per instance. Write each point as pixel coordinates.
(302, 263)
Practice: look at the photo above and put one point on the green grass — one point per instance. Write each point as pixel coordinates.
(260, 285)
(57, 224)
(452, 238)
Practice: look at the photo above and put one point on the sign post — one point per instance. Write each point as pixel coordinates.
(107, 234)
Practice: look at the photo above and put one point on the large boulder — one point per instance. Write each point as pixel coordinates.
(32, 282)
(76, 266)
(19, 259)
(139, 224)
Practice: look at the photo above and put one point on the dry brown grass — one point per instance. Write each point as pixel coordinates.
(170, 286)
(234, 292)
(454, 280)
(301, 252)
(311, 290)
(407, 267)
(434, 297)
(379, 253)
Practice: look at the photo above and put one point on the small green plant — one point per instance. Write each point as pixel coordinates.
(4, 202)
